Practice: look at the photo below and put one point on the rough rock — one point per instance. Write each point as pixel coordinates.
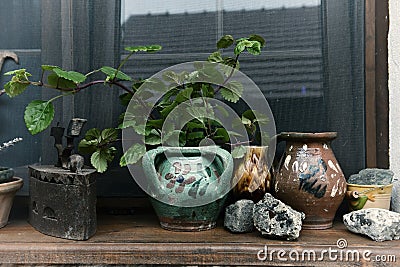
(378, 224)
(395, 200)
(275, 219)
(239, 216)
(372, 176)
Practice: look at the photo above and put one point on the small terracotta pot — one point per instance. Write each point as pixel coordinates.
(368, 196)
(7, 193)
(309, 178)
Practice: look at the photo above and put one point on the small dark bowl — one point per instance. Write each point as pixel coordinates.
(6, 174)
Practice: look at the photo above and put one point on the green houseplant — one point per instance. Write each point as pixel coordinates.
(152, 104)
(9, 185)
(39, 113)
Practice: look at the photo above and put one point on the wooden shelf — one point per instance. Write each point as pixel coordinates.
(138, 239)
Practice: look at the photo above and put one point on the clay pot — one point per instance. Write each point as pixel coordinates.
(7, 193)
(252, 178)
(309, 178)
(188, 186)
(368, 196)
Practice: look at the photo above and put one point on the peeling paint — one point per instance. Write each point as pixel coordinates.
(295, 166)
(333, 167)
(335, 189)
(287, 161)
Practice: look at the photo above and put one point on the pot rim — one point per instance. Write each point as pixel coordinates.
(288, 136)
(13, 185)
(371, 186)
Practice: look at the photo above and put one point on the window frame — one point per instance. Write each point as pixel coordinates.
(376, 83)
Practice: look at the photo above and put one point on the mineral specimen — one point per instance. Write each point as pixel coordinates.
(275, 219)
(372, 176)
(239, 216)
(378, 224)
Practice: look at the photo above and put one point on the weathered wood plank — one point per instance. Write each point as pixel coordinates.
(138, 239)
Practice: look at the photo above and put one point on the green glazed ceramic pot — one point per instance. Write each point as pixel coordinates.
(188, 185)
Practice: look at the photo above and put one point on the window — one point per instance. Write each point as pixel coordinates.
(312, 71)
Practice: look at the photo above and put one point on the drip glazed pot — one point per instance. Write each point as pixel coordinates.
(309, 178)
(188, 185)
(252, 178)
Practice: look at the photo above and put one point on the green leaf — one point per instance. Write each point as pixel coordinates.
(126, 124)
(155, 123)
(93, 134)
(184, 95)
(19, 82)
(49, 67)
(195, 125)
(255, 116)
(246, 121)
(232, 91)
(133, 155)
(149, 48)
(87, 146)
(207, 90)
(222, 111)
(222, 134)
(110, 72)
(153, 48)
(14, 88)
(109, 135)
(165, 111)
(255, 48)
(38, 116)
(258, 38)
(215, 57)
(197, 112)
(238, 152)
(127, 119)
(211, 74)
(59, 82)
(225, 41)
(19, 73)
(153, 138)
(155, 84)
(125, 99)
(170, 76)
(240, 47)
(102, 157)
(195, 135)
(99, 161)
(73, 76)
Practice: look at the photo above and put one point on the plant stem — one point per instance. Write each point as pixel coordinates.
(229, 76)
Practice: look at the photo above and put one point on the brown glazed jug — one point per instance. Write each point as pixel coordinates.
(309, 178)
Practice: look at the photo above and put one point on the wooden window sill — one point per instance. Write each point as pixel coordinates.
(138, 239)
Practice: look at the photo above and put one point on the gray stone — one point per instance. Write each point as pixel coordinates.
(372, 176)
(395, 199)
(275, 219)
(378, 224)
(239, 216)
